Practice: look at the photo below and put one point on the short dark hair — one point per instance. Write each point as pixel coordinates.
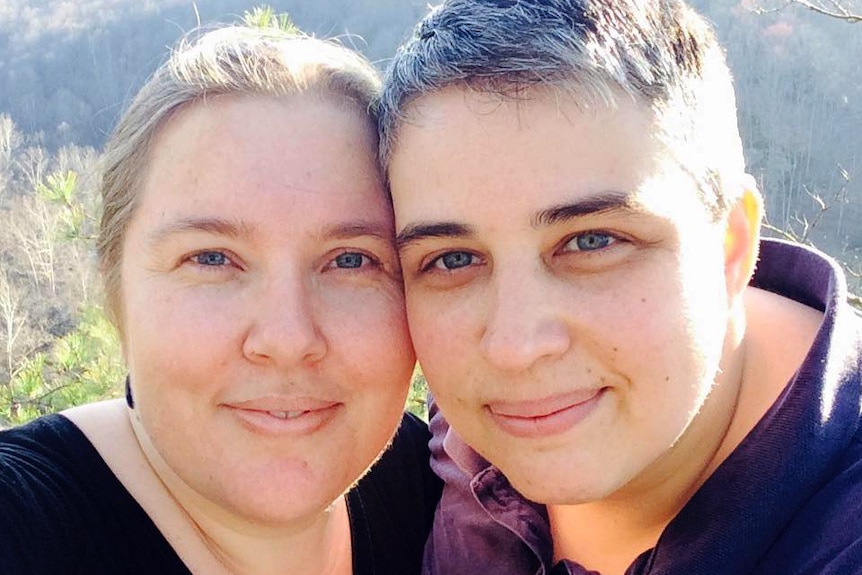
(660, 53)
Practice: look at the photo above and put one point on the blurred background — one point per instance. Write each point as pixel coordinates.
(68, 68)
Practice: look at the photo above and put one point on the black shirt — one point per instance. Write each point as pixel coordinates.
(62, 510)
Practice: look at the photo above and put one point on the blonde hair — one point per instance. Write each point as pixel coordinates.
(235, 60)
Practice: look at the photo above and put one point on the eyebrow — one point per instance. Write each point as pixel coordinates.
(218, 226)
(232, 229)
(356, 229)
(419, 231)
(603, 202)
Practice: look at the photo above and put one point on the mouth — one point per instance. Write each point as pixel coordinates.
(274, 418)
(286, 414)
(545, 417)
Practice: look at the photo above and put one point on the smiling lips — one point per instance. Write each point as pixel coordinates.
(545, 417)
(276, 416)
(286, 414)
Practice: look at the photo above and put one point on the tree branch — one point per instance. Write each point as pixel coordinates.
(835, 10)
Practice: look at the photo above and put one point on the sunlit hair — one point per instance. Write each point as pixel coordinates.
(660, 53)
(233, 60)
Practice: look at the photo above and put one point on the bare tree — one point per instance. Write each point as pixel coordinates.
(13, 319)
(799, 227)
(33, 162)
(35, 230)
(841, 10)
(10, 139)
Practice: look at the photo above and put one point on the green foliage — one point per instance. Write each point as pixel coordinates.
(418, 393)
(60, 190)
(83, 366)
(266, 17)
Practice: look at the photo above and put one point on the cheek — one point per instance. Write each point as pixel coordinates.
(369, 328)
(200, 316)
(705, 309)
(638, 324)
(169, 333)
(668, 345)
(446, 347)
(432, 328)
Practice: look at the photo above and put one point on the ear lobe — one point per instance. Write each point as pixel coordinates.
(742, 238)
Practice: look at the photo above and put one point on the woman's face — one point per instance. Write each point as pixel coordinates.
(263, 310)
(568, 291)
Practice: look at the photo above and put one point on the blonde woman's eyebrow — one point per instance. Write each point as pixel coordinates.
(210, 225)
(359, 228)
(237, 229)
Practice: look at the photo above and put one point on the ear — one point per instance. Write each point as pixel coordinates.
(742, 238)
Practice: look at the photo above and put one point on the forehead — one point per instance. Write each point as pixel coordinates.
(263, 137)
(246, 155)
(470, 122)
(222, 123)
(528, 153)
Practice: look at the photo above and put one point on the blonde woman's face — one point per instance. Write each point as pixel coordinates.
(262, 305)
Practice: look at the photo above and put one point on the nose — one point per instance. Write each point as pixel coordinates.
(523, 324)
(285, 330)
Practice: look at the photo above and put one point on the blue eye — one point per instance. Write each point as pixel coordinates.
(350, 260)
(210, 259)
(590, 242)
(454, 260)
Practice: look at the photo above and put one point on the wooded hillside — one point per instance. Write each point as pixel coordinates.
(67, 68)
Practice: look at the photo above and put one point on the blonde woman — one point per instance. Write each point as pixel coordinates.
(246, 248)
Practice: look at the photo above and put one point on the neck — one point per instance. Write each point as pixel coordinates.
(207, 538)
(211, 539)
(321, 546)
(608, 534)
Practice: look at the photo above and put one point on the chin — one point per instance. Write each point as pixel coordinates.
(561, 495)
(560, 487)
(292, 512)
